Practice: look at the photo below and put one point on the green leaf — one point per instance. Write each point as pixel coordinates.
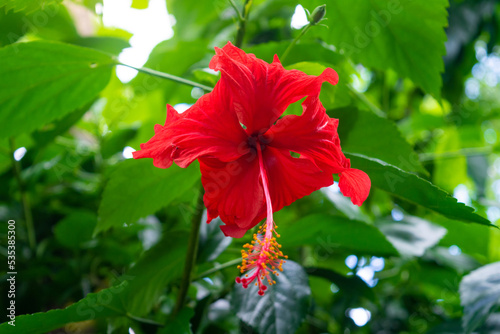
(137, 188)
(134, 295)
(197, 17)
(365, 133)
(212, 241)
(412, 236)
(50, 131)
(414, 189)
(27, 5)
(153, 271)
(405, 35)
(103, 304)
(282, 308)
(480, 295)
(43, 81)
(449, 172)
(472, 239)
(344, 205)
(11, 27)
(111, 45)
(75, 229)
(335, 232)
(115, 142)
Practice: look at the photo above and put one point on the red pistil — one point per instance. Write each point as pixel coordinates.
(262, 255)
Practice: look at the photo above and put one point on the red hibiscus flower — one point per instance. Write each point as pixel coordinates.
(244, 149)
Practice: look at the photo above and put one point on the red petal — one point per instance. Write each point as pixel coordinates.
(291, 178)
(208, 128)
(260, 91)
(313, 135)
(233, 192)
(355, 184)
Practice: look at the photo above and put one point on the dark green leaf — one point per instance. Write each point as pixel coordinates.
(282, 308)
(103, 304)
(365, 133)
(412, 236)
(480, 295)
(43, 81)
(414, 189)
(50, 131)
(335, 232)
(76, 228)
(137, 189)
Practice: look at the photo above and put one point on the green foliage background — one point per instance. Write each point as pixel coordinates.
(101, 240)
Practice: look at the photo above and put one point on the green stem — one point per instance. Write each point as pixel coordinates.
(144, 321)
(192, 249)
(376, 110)
(240, 17)
(168, 77)
(471, 151)
(24, 197)
(217, 268)
(242, 23)
(290, 47)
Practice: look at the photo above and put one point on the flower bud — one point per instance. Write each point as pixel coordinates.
(317, 15)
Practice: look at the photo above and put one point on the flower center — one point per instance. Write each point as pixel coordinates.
(257, 140)
(261, 257)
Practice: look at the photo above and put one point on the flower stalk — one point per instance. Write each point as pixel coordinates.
(167, 76)
(314, 19)
(242, 23)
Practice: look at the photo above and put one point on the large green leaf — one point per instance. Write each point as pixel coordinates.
(103, 304)
(335, 232)
(480, 295)
(414, 189)
(136, 189)
(43, 81)
(407, 36)
(282, 308)
(365, 133)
